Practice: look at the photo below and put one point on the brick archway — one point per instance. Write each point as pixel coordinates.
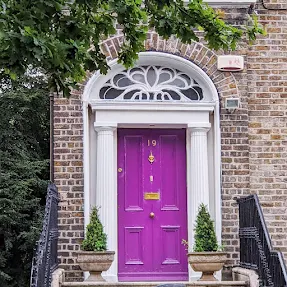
(195, 52)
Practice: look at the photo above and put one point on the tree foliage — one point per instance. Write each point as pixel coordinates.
(62, 37)
(96, 239)
(205, 238)
(24, 150)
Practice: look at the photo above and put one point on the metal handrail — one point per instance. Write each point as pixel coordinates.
(256, 250)
(45, 260)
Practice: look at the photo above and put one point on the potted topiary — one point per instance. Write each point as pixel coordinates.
(207, 256)
(94, 256)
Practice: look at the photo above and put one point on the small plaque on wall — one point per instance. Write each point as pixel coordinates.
(230, 63)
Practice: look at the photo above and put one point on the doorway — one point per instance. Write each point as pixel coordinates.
(152, 204)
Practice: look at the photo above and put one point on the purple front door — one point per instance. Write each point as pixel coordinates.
(152, 215)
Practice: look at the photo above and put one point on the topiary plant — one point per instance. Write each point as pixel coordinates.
(205, 238)
(95, 239)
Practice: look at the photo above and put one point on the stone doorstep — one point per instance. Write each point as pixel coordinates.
(153, 284)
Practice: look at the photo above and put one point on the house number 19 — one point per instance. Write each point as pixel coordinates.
(153, 142)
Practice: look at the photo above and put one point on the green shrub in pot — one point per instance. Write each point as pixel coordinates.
(94, 256)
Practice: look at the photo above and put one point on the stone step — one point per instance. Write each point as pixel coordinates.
(154, 284)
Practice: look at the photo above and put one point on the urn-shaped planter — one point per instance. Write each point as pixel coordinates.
(95, 263)
(94, 256)
(206, 257)
(207, 263)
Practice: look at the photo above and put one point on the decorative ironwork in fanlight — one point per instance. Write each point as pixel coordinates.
(151, 83)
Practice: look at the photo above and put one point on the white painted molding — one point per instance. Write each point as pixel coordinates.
(199, 173)
(198, 190)
(217, 172)
(86, 168)
(106, 198)
(192, 126)
(232, 3)
(155, 106)
(91, 91)
(107, 115)
(86, 164)
(105, 126)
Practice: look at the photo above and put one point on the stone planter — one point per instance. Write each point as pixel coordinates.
(207, 263)
(95, 263)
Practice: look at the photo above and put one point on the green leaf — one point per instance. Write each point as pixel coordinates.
(41, 36)
(28, 30)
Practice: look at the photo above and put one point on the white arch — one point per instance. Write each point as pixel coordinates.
(91, 98)
(91, 91)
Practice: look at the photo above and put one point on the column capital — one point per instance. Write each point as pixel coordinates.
(198, 129)
(101, 127)
(199, 125)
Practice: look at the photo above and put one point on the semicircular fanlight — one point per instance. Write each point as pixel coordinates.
(151, 83)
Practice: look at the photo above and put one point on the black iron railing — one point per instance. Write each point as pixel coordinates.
(45, 260)
(256, 251)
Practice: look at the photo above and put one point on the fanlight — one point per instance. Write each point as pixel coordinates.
(151, 83)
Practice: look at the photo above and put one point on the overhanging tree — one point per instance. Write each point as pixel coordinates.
(61, 37)
(24, 153)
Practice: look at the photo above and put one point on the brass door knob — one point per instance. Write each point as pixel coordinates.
(151, 215)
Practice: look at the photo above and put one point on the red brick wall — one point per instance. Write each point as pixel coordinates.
(267, 105)
(69, 180)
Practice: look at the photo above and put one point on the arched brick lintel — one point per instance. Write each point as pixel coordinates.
(195, 52)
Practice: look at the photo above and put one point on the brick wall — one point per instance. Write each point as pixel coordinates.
(253, 138)
(267, 104)
(68, 155)
(274, 4)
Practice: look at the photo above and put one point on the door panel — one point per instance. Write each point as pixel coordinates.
(152, 215)
(134, 252)
(133, 173)
(170, 236)
(168, 150)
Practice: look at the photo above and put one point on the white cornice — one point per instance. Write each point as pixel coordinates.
(229, 3)
(154, 106)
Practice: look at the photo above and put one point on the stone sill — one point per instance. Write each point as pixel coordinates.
(153, 284)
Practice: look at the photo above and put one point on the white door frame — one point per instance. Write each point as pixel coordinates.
(100, 138)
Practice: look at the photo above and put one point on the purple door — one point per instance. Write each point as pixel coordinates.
(152, 215)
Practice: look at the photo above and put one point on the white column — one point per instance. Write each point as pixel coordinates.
(106, 195)
(199, 165)
(199, 181)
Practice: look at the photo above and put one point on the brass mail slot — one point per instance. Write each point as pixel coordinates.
(152, 195)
